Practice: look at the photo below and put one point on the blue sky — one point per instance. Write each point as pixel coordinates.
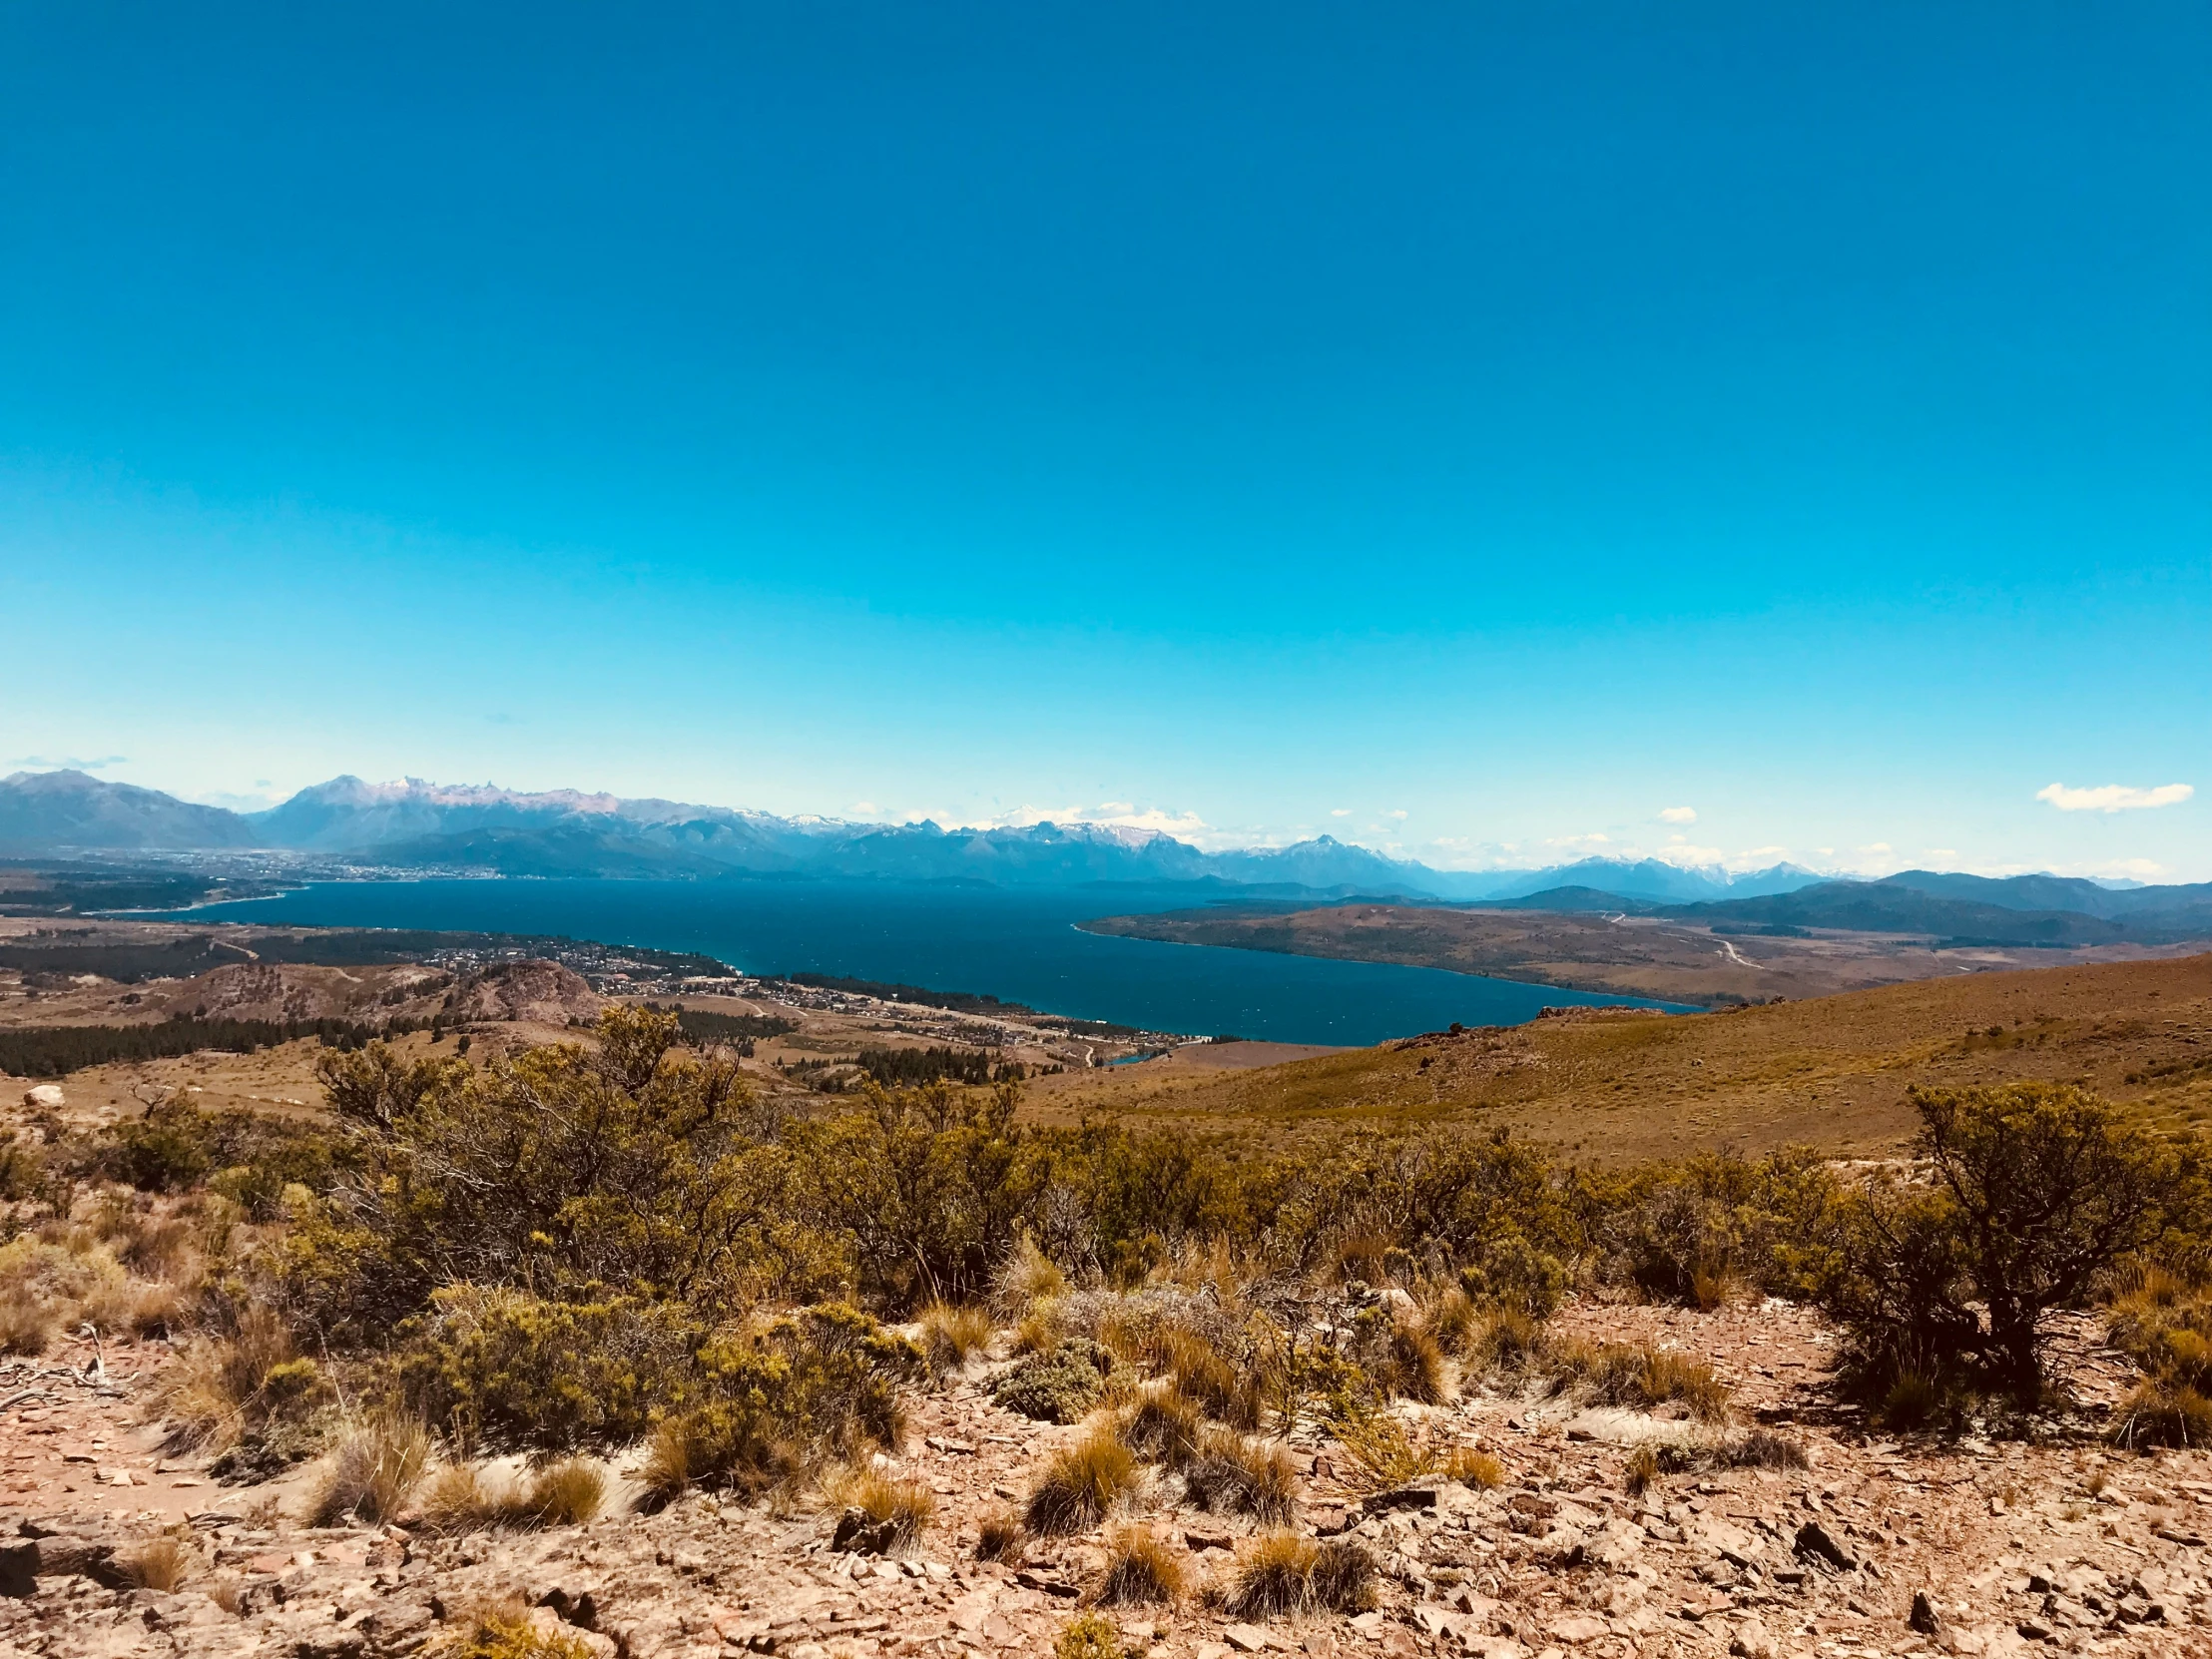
(1474, 430)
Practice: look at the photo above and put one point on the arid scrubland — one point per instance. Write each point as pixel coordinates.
(593, 1349)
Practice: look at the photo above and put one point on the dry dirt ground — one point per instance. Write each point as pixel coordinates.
(2014, 1547)
(1618, 1086)
(1617, 956)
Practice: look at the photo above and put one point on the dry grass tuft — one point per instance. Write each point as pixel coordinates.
(1081, 1484)
(1249, 1477)
(1224, 1390)
(951, 1336)
(1470, 1467)
(1384, 1454)
(1644, 1467)
(1142, 1569)
(1620, 1374)
(1274, 1577)
(464, 1498)
(1762, 1448)
(372, 1471)
(1000, 1537)
(2163, 1414)
(27, 1325)
(220, 1387)
(900, 1508)
(1451, 1321)
(1505, 1340)
(158, 1564)
(1027, 1277)
(1343, 1577)
(1164, 1427)
(1411, 1366)
(673, 1460)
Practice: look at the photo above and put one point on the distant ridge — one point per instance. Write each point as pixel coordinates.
(417, 826)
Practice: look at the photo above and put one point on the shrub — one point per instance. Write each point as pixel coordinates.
(225, 1387)
(1451, 1321)
(498, 1367)
(1142, 1568)
(372, 1471)
(951, 1336)
(1062, 1384)
(2038, 1190)
(1080, 1485)
(1090, 1636)
(1250, 1477)
(1383, 1454)
(507, 1631)
(1275, 1576)
(1514, 1276)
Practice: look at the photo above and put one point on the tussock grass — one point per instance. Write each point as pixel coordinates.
(1470, 1467)
(1621, 1373)
(372, 1471)
(1000, 1537)
(158, 1564)
(27, 1325)
(906, 1507)
(1343, 1577)
(951, 1336)
(1282, 1573)
(1164, 1427)
(1243, 1476)
(1081, 1484)
(1451, 1321)
(225, 1384)
(2163, 1414)
(1224, 1390)
(1505, 1340)
(1142, 1568)
(1384, 1454)
(1411, 1366)
(464, 1498)
(1027, 1277)
(1643, 1471)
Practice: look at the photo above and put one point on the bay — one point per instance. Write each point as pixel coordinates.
(1020, 944)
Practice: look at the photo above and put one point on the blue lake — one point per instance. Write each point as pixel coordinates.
(1018, 944)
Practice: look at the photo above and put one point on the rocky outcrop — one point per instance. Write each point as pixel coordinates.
(545, 993)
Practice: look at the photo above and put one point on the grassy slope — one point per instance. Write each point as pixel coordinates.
(1830, 1072)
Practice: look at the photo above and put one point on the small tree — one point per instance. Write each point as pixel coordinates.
(2036, 1189)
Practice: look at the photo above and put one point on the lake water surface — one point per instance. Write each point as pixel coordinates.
(1018, 944)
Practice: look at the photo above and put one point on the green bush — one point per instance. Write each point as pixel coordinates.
(1062, 1384)
(2035, 1192)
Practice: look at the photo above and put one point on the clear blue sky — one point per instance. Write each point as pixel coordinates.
(1523, 419)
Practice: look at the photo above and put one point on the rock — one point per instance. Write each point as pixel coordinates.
(857, 1533)
(1246, 1638)
(1751, 1641)
(43, 1097)
(19, 1568)
(1924, 1616)
(1577, 1629)
(1399, 1497)
(1814, 1544)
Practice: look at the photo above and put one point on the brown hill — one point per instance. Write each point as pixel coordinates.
(544, 994)
(1618, 1085)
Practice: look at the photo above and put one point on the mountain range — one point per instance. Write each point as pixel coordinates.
(480, 827)
(417, 826)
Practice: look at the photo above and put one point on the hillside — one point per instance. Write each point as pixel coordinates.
(1615, 1086)
(1704, 956)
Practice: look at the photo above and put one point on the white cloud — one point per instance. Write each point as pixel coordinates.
(2113, 798)
(1398, 812)
(1678, 815)
(1681, 852)
(1339, 811)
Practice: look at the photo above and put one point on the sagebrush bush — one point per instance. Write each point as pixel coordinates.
(1061, 1384)
(1080, 1485)
(1090, 1636)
